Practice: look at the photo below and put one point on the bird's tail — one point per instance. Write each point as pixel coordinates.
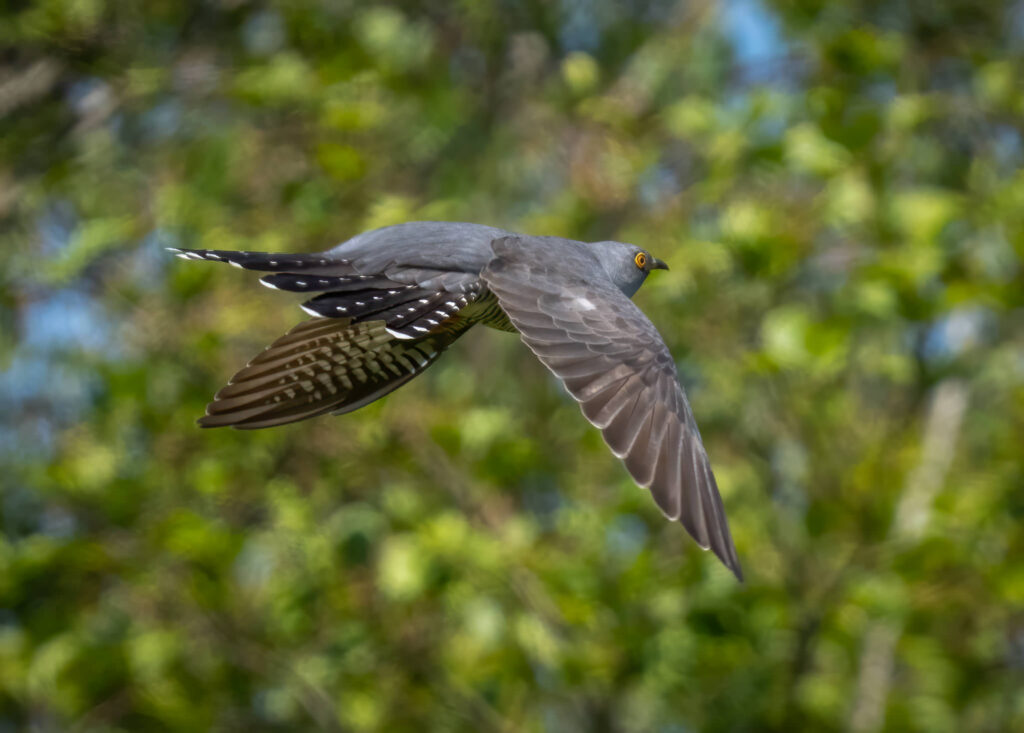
(318, 263)
(410, 301)
(324, 365)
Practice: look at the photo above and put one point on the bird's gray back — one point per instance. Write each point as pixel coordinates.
(432, 245)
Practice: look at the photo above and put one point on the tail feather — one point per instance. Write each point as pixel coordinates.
(271, 261)
(417, 318)
(412, 301)
(365, 304)
(408, 311)
(315, 282)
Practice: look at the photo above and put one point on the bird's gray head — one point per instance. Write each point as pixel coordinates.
(626, 264)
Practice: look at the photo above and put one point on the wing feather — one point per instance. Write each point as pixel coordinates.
(613, 361)
(324, 365)
(603, 407)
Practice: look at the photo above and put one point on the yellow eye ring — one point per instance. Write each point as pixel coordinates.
(640, 260)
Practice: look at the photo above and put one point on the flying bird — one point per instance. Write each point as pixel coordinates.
(388, 302)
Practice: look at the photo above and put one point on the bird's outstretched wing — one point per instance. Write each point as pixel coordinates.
(614, 362)
(324, 365)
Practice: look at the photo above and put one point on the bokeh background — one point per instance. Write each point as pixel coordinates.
(838, 187)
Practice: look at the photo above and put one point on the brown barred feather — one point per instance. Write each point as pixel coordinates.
(324, 365)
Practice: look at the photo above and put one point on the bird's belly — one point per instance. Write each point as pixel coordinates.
(486, 311)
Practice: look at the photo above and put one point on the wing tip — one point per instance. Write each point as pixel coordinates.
(731, 562)
(728, 558)
(214, 418)
(212, 421)
(737, 571)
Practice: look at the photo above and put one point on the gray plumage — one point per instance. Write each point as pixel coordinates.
(388, 302)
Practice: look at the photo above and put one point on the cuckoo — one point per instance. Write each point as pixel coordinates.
(388, 302)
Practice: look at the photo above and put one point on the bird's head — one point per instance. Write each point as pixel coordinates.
(626, 264)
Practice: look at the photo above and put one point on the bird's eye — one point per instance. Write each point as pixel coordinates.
(640, 260)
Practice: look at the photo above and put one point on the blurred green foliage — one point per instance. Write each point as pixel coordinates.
(839, 190)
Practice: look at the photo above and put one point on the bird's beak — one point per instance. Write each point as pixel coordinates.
(657, 264)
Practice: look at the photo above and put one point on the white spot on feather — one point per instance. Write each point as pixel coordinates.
(399, 334)
(584, 304)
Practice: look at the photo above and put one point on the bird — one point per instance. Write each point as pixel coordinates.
(388, 302)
